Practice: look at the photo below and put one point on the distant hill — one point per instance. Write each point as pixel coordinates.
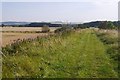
(9, 23)
(41, 24)
(97, 23)
(55, 24)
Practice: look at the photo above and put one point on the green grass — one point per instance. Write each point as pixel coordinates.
(73, 55)
(111, 42)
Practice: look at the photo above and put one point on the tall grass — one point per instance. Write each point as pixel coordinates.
(69, 55)
(31, 57)
(111, 42)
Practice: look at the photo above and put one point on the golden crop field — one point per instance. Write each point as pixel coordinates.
(26, 28)
(11, 34)
(8, 38)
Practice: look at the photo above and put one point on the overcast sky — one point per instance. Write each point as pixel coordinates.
(59, 10)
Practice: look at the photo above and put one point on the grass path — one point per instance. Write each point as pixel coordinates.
(93, 57)
(79, 55)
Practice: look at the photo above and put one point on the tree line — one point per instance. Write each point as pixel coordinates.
(101, 24)
(96, 24)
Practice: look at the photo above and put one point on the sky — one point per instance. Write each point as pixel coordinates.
(119, 11)
(58, 10)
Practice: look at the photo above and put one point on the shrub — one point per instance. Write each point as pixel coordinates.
(45, 29)
(64, 29)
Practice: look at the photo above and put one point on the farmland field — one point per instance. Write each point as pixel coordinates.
(15, 29)
(10, 34)
(8, 38)
(60, 40)
(83, 54)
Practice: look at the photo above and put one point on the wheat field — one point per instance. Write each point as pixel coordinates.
(11, 34)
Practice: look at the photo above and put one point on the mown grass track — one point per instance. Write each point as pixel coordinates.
(76, 55)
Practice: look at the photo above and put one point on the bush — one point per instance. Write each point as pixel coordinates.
(64, 29)
(45, 29)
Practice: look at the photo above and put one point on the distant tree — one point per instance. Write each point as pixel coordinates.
(80, 26)
(110, 25)
(3, 25)
(64, 29)
(45, 29)
(103, 25)
(76, 27)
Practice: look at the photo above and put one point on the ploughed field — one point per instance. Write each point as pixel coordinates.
(83, 54)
